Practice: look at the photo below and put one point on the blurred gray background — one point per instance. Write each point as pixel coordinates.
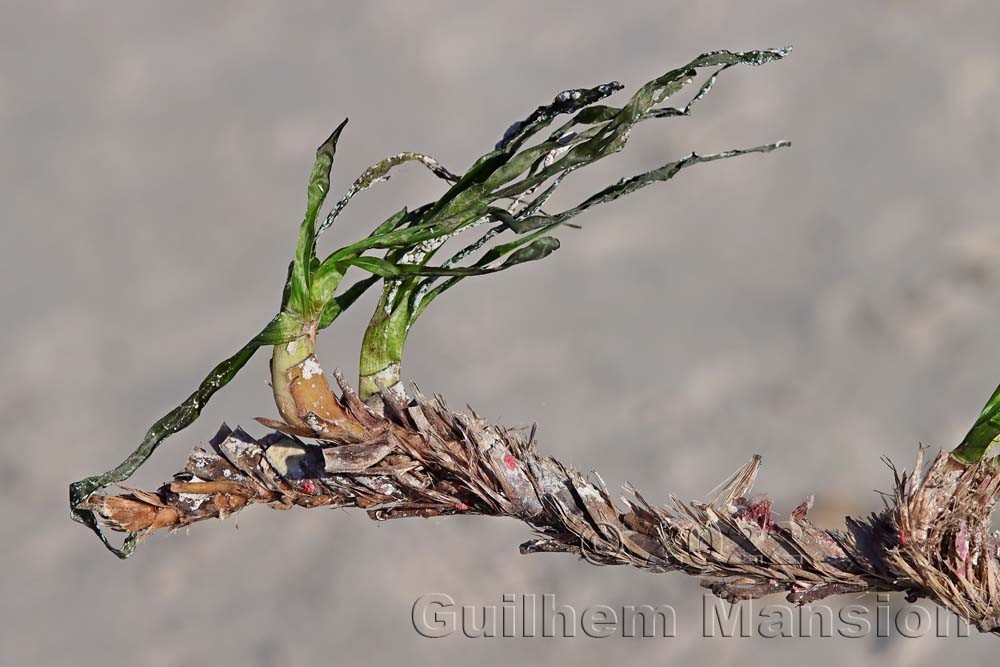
(823, 306)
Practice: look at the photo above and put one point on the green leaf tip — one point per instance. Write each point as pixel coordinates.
(981, 440)
(299, 297)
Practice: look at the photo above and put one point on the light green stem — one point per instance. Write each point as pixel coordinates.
(283, 358)
(382, 345)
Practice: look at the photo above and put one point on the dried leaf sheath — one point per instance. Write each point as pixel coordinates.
(419, 458)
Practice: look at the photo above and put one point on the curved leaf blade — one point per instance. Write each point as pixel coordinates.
(299, 300)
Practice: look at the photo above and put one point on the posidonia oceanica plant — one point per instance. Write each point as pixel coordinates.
(501, 200)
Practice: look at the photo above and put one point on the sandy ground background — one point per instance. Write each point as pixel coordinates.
(823, 305)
